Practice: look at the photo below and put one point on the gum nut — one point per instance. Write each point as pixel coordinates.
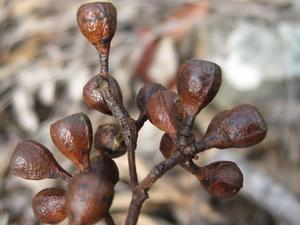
(221, 179)
(49, 205)
(164, 111)
(242, 126)
(97, 21)
(198, 82)
(73, 136)
(31, 160)
(108, 140)
(104, 166)
(88, 198)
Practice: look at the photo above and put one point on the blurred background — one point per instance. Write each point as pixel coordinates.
(45, 61)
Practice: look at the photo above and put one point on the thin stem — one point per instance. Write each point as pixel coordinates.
(140, 194)
(140, 121)
(109, 220)
(62, 174)
(138, 198)
(132, 167)
(103, 53)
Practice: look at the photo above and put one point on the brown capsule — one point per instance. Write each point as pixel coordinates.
(221, 179)
(73, 136)
(88, 198)
(164, 111)
(242, 126)
(93, 97)
(33, 161)
(145, 93)
(105, 167)
(49, 206)
(97, 22)
(198, 82)
(108, 140)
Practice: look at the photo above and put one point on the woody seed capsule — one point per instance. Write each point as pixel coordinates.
(88, 198)
(242, 126)
(221, 179)
(97, 22)
(109, 140)
(198, 82)
(73, 136)
(32, 160)
(49, 205)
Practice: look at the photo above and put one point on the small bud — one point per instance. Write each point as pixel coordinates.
(93, 97)
(105, 167)
(97, 22)
(197, 83)
(145, 94)
(242, 126)
(221, 179)
(165, 112)
(33, 161)
(88, 198)
(49, 206)
(73, 136)
(109, 140)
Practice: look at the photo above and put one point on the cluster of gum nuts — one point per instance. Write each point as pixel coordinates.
(89, 193)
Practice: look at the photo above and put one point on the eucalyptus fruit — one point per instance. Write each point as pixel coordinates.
(242, 126)
(88, 198)
(164, 111)
(109, 140)
(222, 179)
(90, 192)
(33, 161)
(49, 205)
(73, 136)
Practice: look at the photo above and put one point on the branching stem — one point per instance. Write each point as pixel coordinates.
(183, 155)
(140, 194)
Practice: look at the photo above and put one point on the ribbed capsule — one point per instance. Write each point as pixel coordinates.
(222, 179)
(242, 126)
(73, 136)
(49, 205)
(108, 140)
(88, 198)
(32, 160)
(97, 22)
(145, 94)
(198, 82)
(105, 167)
(165, 112)
(92, 95)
